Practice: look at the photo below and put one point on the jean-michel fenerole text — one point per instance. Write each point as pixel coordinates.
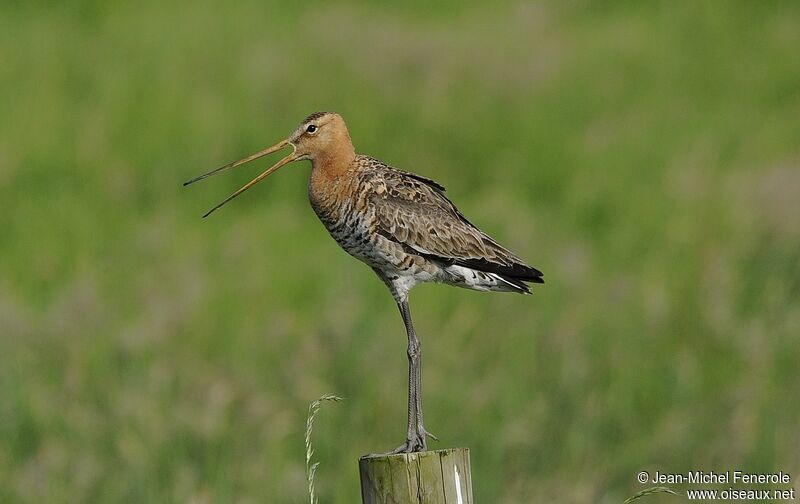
(728, 477)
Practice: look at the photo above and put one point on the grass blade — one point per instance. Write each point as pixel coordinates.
(311, 469)
(650, 491)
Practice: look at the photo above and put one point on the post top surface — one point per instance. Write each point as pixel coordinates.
(412, 455)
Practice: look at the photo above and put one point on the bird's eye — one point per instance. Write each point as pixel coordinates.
(311, 128)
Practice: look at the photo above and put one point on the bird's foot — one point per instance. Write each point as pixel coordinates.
(418, 443)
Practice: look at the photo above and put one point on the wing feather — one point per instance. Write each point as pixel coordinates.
(413, 211)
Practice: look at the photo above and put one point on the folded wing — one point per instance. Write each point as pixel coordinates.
(415, 212)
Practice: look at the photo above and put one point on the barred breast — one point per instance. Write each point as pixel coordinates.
(353, 223)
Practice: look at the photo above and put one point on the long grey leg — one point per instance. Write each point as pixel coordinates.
(416, 362)
(416, 438)
(414, 377)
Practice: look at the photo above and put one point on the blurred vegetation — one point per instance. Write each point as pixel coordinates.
(644, 155)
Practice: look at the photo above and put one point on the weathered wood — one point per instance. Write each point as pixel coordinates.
(432, 477)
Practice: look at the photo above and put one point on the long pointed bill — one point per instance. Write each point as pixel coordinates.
(269, 150)
(288, 159)
(278, 146)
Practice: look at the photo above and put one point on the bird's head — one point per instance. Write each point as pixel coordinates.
(322, 137)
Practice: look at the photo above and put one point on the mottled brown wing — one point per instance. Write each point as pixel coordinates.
(414, 211)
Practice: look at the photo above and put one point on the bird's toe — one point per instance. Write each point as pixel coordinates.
(424, 434)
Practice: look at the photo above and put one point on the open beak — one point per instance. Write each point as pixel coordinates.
(278, 146)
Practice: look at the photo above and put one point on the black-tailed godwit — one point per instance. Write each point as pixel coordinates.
(400, 224)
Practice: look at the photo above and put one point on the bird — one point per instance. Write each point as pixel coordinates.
(402, 225)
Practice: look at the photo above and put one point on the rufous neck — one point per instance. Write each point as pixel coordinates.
(335, 161)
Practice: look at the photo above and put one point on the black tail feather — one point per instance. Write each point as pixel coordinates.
(515, 272)
(517, 284)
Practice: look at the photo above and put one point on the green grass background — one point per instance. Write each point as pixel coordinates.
(644, 155)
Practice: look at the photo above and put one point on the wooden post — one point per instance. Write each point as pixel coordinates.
(432, 477)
